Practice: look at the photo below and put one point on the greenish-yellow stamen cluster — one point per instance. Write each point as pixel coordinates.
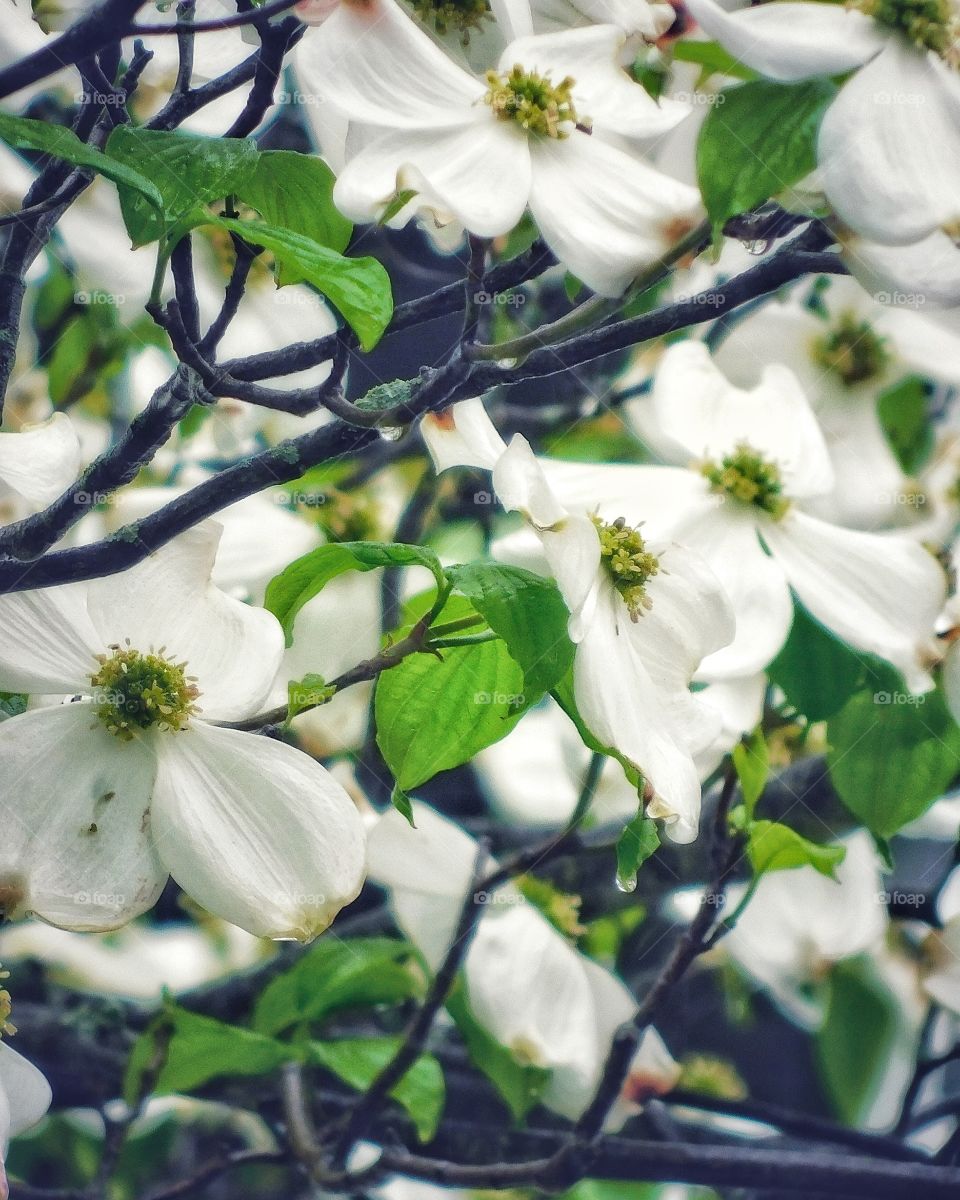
(628, 562)
(928, 24)
(462, 16)
(135, 691)
(531, 100)
(852, 350)
(746, 476)
(6, 1007)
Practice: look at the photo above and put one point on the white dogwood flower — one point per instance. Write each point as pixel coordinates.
(108, 795)
(526, 984)
(481, 151)
(753, 458)
(889, 145)
(643, 614)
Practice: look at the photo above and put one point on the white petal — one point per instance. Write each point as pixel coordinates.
(621, 706)
(49, 641)
(881, 594)
(925, 272)
(76, 819)
(650, 495)
(428, 870)
(464, 436)
(603, 93)
(569, 540)
(605, 214)
(889, 147)
(951, 688)
(513, 17)
(477, 173)
(792, 40)
(256, 831)
(739, 701)
(697, 406)
(376, 65)
(26, 1088)
(755, 585)
(689, 617)
(169, 601)
(41, 461)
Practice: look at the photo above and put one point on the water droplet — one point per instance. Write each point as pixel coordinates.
(626, 885)
(757, 247)
(390, 433)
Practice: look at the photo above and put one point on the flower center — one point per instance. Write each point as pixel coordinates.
(460, 15)
(852, 350)
(531, 100)
(139, 691)
(928, 24)
(628, 562)
(746, 476)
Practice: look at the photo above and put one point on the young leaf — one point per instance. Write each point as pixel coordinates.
(892, 755)
(904, 414)
(479, 690)
(751, 759)
(189, 172)
(528, 612)
(24, 134)
(333, 976)
(775, 847)
(759, 141)
(306, 577)
(358, 1061)
(358, 288)
(634, 846)
(295, 191)
(307, 692)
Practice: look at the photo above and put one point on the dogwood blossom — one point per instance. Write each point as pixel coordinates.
(643, 614)
(131, 782)
(889, 145)
(526, 985)
(24, 1092)
(480, 151)
(754, 458)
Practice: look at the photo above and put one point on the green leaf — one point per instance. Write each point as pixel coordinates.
(892, 755)
(713, 59)
(615, 1189)
(308, 692)
(307, 576)
(519, 1084)
(201, 1049)
(12, 704)
(775, 847)
(528, 612)
(333, 976)
(403, 804)
(634, 846)
(904, 415)
(759, 141)
(295, 192)
(358, 1061)
(854, 1043)
(189, 172)
(24, 134)
(751, 759)
(478, 690)
(358, 288)
(817, 672)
